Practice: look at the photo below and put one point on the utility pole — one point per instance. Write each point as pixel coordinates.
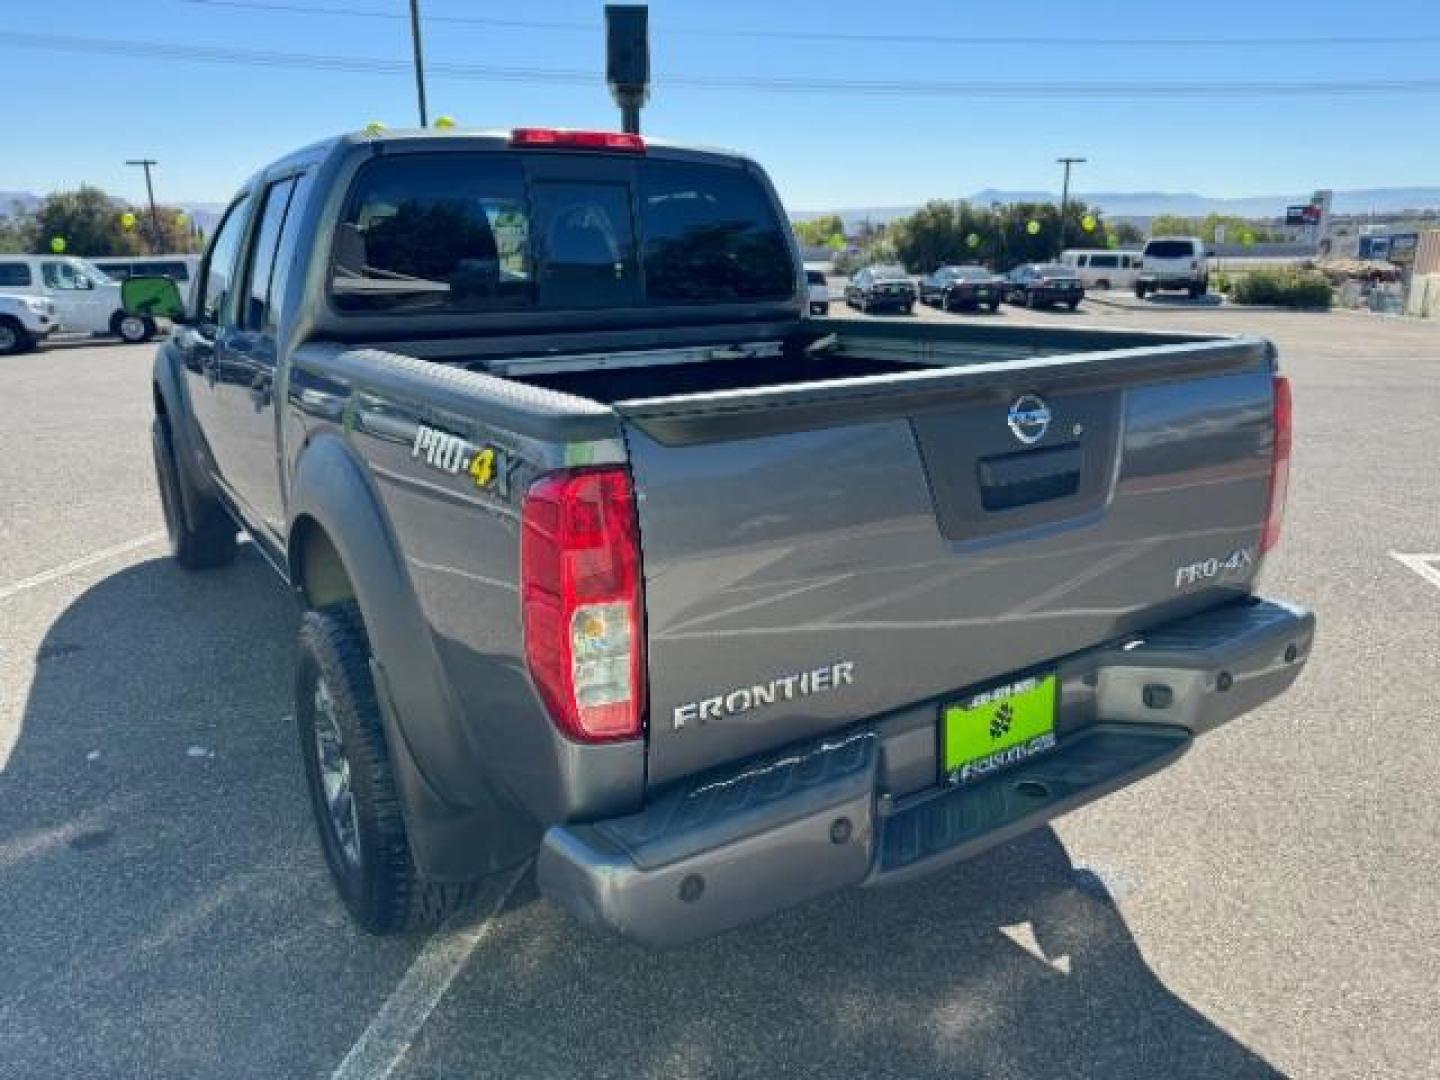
(419, 59)
(146, 163)
(1065, 192)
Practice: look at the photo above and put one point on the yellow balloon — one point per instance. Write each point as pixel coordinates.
(1033, 228)
(57, 245)
(444, 121)
(1088, 223)
(127, 221)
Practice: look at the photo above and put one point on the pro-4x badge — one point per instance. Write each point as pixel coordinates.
(455, 454)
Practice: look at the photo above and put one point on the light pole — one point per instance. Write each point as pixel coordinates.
(1065, 192)
(146, 163)
(419, 58)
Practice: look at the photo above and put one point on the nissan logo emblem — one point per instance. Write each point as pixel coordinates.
(1029, 418)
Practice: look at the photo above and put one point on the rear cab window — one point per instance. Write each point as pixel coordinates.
(486, 232)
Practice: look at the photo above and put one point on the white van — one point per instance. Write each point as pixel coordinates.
(180, 269)
(86, 299)
(1103, 268)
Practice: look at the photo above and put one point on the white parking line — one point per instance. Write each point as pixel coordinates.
(47, 576)
(1427, 566)
(388, 1037)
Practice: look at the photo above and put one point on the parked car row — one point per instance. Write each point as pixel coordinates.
(1165, 262)
(956, 288)
(42, 295)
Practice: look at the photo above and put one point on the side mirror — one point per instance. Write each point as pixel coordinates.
(153, 297)
(83, 282)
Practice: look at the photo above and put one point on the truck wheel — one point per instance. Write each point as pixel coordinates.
(1140, 292)
(352, 788)
(994, 305)
(1072, 304)
(13, 337)
(132, 329)
(196, 545)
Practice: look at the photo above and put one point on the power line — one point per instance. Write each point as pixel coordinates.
(978, 41)
(150, 52)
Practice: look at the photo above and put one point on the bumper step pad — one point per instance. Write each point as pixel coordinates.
(958, 822)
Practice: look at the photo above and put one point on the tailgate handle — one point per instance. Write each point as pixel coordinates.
(1008, 481)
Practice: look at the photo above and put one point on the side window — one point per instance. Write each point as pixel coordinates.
(256, 313)
(218, 273)
(14, 275)
(60, 275)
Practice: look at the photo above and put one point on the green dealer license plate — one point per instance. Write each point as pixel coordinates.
(999, 727)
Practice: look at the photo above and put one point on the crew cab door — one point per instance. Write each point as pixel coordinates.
(210, 306)
(243, 438)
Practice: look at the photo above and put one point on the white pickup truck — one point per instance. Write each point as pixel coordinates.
(25, 321)
(83, 298)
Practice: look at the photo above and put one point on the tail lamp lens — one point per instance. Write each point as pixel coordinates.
(1279, 464)
(580, 593)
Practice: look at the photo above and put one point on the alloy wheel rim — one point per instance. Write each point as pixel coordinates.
(132, 328)
(335, 775)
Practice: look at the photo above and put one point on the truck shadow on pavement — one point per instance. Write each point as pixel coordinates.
(169, 913)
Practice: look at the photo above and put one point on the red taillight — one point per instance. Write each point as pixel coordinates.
(580, 596)
(578, 140)
(1279, 465)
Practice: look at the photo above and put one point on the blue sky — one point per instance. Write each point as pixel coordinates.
(211, 124)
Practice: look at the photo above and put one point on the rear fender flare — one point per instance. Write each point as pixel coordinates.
(455, 821)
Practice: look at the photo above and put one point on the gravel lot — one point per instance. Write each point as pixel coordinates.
(1267, 906)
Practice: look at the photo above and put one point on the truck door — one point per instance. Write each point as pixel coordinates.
(244, 438)
(209, 308)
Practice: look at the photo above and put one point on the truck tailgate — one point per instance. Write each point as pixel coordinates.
(819, 554)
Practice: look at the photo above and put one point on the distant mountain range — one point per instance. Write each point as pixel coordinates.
(1148, 204)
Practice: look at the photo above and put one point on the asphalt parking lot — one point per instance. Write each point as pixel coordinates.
(1267, 906)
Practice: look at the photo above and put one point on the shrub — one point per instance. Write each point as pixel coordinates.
(1282, 288)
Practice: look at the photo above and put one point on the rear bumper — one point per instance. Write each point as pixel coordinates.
(720, 851)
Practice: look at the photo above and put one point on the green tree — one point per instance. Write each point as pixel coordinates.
(87, 219)
(16, 228)
(91, 223)
(1207, 227)
(822, 231)
(945, 233)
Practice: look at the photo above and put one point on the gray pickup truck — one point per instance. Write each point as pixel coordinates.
(611, 558)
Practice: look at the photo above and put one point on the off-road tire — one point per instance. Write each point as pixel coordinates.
(383, 891)
(203, 544)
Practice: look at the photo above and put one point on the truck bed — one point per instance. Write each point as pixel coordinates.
(857, 496)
